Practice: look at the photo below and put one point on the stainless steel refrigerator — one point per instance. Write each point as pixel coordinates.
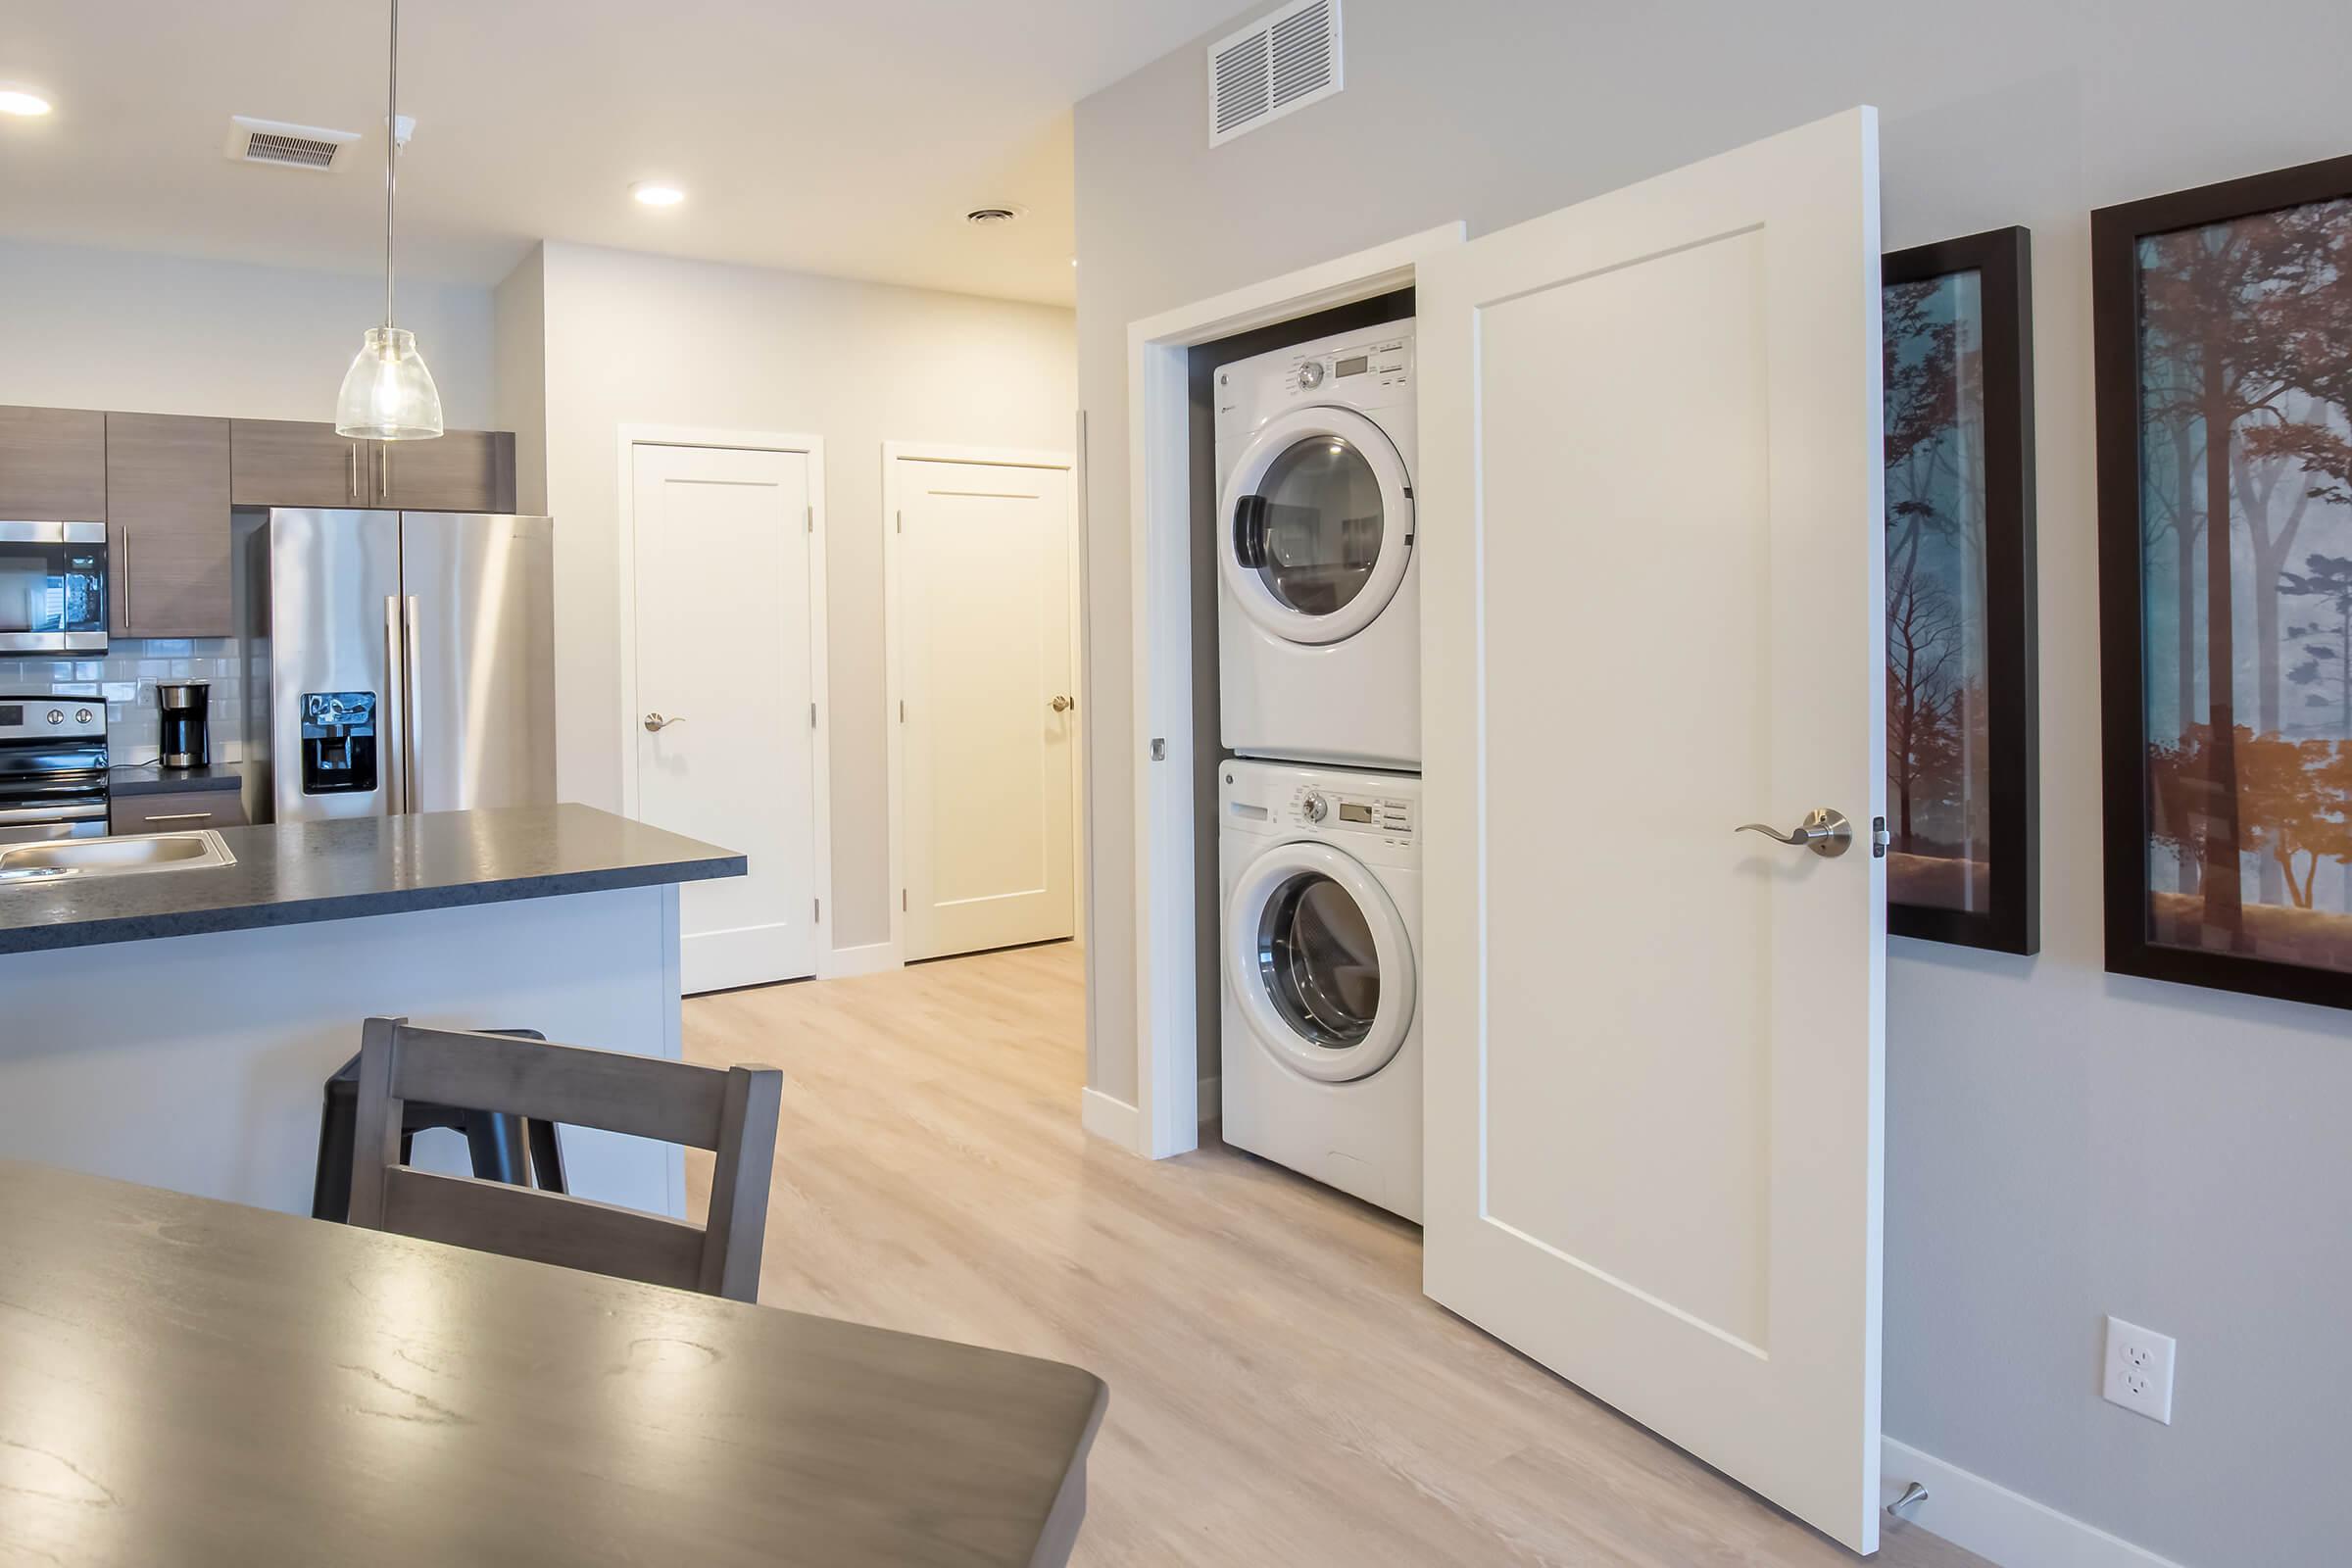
(410, 660)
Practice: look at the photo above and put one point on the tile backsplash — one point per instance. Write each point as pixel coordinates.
(125, 677)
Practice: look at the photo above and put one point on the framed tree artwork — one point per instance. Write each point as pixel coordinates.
(1963, 860)
(2222, 324)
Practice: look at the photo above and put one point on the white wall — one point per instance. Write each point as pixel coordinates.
(146, 334)
(2061, 1143)
(636, 339)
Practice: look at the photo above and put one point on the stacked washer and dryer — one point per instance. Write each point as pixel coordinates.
(1319, 807)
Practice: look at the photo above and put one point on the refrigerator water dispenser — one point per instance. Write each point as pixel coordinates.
(338, 742)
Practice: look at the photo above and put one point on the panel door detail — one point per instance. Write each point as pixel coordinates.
(982, 560)
(1654, 1044)
(725, 743)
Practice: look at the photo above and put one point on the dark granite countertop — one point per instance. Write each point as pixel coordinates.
(297, 873)
(152, 778)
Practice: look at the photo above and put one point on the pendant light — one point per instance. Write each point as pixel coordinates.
(388, 395)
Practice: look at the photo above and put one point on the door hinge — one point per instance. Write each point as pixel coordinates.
(902, 709)
(812, 715)
(901, 518)
(901, 900)
(1878, 839)
(812, 517)
(816, 910)
(1160, 750)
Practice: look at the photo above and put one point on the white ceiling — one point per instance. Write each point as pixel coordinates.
(838, 137)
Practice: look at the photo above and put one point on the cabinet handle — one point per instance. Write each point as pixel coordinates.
(180, 816)
(383, 473)
(351, 452)
(126, 621)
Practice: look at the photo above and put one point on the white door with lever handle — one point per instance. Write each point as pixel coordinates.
(979, 568)
(1653, 1055)
(725, 625)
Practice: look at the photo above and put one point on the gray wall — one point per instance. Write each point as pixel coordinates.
(2061, 1144)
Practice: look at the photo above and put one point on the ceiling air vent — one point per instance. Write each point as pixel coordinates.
(285, 146)
(1280, 62)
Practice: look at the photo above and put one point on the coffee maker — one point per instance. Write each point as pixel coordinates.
(186, 736)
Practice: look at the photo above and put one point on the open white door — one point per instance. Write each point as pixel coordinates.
(1652, 612)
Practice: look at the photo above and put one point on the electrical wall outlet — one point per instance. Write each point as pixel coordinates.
(2139, 1370)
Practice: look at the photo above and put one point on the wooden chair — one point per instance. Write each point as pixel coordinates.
(732, 1112)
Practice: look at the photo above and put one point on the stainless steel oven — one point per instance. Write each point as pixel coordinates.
(53, 765)
(52, 587)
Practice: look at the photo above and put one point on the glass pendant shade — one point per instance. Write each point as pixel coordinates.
(388, 395)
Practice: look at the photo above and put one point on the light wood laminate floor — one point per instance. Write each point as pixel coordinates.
(1281, 1393)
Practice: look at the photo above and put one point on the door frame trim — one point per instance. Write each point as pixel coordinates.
(894, 638)
(829, 959)
(1160, 520)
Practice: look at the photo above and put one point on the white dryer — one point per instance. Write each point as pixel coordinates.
(1320, 952)
(1319, 595)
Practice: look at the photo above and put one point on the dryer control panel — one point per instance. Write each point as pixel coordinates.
(1378, 360)
(1372, 368)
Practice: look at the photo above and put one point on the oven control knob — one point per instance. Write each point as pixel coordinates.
(57, 715)
(1310, 375)
(81, 715)
(1314, 808)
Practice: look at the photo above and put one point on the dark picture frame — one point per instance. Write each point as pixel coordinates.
(2224, 957)
(2008, 917)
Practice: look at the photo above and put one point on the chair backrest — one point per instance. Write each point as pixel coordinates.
(732, 1112)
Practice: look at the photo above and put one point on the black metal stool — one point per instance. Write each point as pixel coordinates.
(506, 1149)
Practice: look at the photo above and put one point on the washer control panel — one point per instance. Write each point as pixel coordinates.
(1329, 810)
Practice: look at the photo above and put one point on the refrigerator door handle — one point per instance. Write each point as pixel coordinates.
(396, 714)
(407, 706)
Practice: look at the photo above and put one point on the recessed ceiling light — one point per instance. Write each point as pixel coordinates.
(995, 213)
(658, 193)
(22, 101)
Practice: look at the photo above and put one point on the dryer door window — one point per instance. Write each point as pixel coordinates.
(1318, 961)
(1314, 531)
(1319, 525)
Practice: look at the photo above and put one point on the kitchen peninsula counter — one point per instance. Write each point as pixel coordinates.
(177, 1027)
(296, 872)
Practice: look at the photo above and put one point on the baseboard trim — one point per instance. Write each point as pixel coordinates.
(840, 963)
(1112, 1120)
(2007, 1527)
(1212, 1106)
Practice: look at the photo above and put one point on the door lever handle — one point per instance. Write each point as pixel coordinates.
(655, 723)
(1825, 832)
(1063, 705)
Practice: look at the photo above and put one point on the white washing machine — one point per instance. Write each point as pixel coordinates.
(1320, 953)
(1319, 592)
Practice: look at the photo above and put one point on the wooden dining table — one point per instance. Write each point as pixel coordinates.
(185, 1381)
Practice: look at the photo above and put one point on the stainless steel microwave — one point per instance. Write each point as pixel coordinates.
(52, 587)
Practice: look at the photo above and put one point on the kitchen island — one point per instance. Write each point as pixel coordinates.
(175, 1027)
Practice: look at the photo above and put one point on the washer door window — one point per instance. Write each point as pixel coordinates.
(1320, 520)
(1318, 959)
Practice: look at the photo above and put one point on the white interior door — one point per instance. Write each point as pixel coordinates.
(982, 567)
(726, 738)
(1651, 485)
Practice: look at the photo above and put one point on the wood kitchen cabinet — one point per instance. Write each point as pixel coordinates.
(295, 462)
(292, 462)
(462, 470)
(167, 526)
(51, 465)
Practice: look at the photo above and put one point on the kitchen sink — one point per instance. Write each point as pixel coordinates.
(129, 855)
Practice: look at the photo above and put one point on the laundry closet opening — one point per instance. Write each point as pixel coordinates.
(1309, 914)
